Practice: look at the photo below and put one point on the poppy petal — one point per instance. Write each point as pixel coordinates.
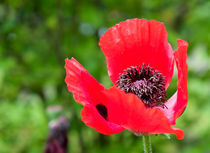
(91, 117)
(88, 92)
(178, 102)
(129, 111)
(83, 86)
(134, 42)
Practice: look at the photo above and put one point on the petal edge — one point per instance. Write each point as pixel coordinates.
(178, 102)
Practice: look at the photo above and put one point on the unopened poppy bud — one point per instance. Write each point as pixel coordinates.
(57, 141)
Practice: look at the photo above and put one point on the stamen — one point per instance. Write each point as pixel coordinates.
(102, 110)
(146, 82)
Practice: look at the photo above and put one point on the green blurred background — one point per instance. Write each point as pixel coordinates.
(37, 35)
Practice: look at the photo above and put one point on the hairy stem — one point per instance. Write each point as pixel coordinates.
(147, 144)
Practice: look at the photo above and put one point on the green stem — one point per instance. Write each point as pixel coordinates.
(147, 144)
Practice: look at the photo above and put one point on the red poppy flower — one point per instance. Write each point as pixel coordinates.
(140, 64)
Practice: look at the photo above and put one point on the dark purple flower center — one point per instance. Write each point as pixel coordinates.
(102, 110)
(145, 82)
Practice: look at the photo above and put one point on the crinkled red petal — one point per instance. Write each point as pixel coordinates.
(129, 111)
(178, 102)
(88, 92)
(134, 42)
(81, 83)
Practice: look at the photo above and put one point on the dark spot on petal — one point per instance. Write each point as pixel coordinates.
(102, 110)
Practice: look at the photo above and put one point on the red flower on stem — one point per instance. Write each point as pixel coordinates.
(140, 64)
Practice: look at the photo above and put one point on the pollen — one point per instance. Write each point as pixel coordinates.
(146, 83)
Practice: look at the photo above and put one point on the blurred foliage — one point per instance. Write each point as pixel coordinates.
(37, 35)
